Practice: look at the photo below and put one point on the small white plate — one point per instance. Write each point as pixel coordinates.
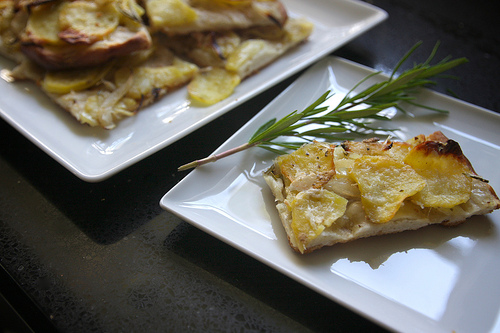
(94, 154)
(434, 279)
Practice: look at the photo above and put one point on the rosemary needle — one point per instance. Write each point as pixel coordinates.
(350, 115)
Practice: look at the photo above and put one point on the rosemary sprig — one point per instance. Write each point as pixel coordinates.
(350, 115)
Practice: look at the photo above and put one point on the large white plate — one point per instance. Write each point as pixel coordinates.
(434, 279)
(95, 154)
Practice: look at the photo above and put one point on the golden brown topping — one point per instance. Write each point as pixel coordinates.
(384, 184)
(311, 158)
(445, 169)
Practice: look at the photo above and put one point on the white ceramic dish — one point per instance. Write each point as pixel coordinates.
(430, 280)
(94, 154)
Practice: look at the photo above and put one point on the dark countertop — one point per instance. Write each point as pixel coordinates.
(104, 257)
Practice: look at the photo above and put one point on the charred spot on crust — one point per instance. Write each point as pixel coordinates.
(156, 93)
(452, 147)
(449, 148)
(141, 102)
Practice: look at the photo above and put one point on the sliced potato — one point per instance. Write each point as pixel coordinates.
(169, 13)
(314, 210)
(393, 149)
(313, 158)
(43, 24)
(245, 52)
(448, 184)
(212, 86)
(384, 184)
(62, 82)
(86, 22)
(147, 79)
(398, 151)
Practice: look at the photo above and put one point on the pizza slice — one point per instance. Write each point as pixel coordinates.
(327, 194)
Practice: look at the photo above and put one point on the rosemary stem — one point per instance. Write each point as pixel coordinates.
(215, 157)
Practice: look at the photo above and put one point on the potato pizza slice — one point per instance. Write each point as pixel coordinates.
(377, 188)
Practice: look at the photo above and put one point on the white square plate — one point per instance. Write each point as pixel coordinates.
(94, 154)
(434, 279)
